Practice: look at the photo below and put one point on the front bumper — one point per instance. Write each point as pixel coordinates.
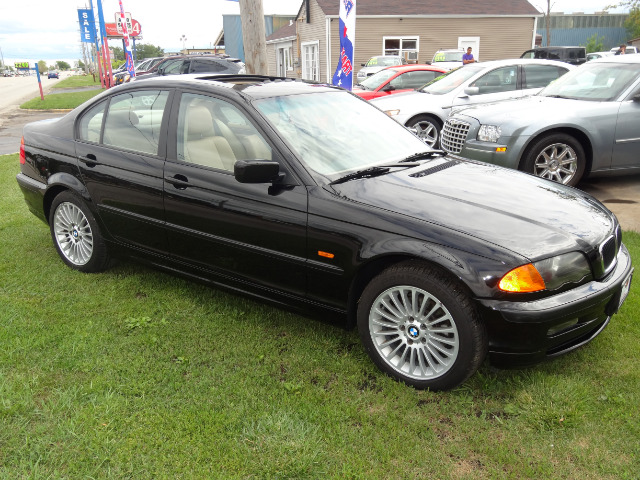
(524, 333)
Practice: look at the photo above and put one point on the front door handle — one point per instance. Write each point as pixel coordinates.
(90, 160)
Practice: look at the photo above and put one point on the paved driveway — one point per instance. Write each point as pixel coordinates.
(620, 194)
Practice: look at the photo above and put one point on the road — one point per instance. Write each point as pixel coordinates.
(17, 90)
(620, 194)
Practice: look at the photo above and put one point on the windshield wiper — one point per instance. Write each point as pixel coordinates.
(372, 172)
(425, 154)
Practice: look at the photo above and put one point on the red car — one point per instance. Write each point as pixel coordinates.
(395, 79)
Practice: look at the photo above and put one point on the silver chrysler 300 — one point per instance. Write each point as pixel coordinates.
(585, 123)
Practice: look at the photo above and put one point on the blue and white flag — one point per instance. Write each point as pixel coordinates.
(344, 71)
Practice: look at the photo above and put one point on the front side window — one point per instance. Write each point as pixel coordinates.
(175, 67)
(134, 120)
(503, 79)
(213, 133)
(413, 79)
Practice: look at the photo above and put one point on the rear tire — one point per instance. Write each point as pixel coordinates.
(420, 327)
(76, 234)
(558, 157)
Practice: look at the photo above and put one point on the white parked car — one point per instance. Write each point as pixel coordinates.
(425, 110)
(375, 64)
(448, 59)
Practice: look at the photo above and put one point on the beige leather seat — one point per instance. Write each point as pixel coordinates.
(202, 146)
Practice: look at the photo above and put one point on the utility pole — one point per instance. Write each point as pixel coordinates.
(253, 36)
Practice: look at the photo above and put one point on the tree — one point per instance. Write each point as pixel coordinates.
(632, 23)
(62, 65)
(594, 44)
(42, 66)
(118, 54)
(146, 50)
(80, 64)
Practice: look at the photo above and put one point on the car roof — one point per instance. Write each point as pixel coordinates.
(628, 58)
(521, 61)
(254, 86)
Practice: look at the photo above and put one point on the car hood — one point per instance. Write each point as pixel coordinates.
(507, 208)
(411, 100)
(370, 70)
(531, 108)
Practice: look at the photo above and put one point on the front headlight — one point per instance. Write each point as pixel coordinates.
(563, 269)
(392, 113)
(549, 274)
(489, 133)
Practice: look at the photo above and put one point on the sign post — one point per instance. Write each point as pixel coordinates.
(125, 21)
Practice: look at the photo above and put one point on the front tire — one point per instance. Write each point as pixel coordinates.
(76, 234)
(427, 129)
(558, 157)
(420, 327)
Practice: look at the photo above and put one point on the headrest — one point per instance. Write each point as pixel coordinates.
(199, 121)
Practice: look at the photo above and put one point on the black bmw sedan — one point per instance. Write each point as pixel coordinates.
(305, 195)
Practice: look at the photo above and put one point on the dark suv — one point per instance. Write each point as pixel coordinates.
(180, 64)
(572, 55)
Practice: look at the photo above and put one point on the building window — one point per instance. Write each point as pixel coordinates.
(310, 61)
(406, 47)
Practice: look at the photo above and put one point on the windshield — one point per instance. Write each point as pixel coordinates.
(383, 61)
(447, 57)
(450, 80)
(374, 81)
(594, 81)
(334, 133)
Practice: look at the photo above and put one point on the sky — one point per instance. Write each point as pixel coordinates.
(33, 30)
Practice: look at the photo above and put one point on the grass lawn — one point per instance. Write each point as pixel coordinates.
(68, 100)
(136, 374)
(75, 81)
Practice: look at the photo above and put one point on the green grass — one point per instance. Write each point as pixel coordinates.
(67, 100)
(136, 374)
(76, 81)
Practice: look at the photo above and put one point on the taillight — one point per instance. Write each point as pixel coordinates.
(23, 159)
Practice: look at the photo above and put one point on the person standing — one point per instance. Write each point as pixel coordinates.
(468, 57)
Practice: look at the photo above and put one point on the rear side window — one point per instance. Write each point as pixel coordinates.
(134, 120)
(414, 79)
(538, 76)
(91, 123)
(210, 66)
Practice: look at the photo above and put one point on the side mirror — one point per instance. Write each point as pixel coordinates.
(636, 97)
(363, 64)
(256, 171)
(388, 88)
(472, 90)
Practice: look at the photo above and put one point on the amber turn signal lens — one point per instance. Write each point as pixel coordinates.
(522, 279)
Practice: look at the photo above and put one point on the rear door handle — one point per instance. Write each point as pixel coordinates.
(179, 181)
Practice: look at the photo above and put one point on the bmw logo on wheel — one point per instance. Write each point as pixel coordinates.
(413, 332)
